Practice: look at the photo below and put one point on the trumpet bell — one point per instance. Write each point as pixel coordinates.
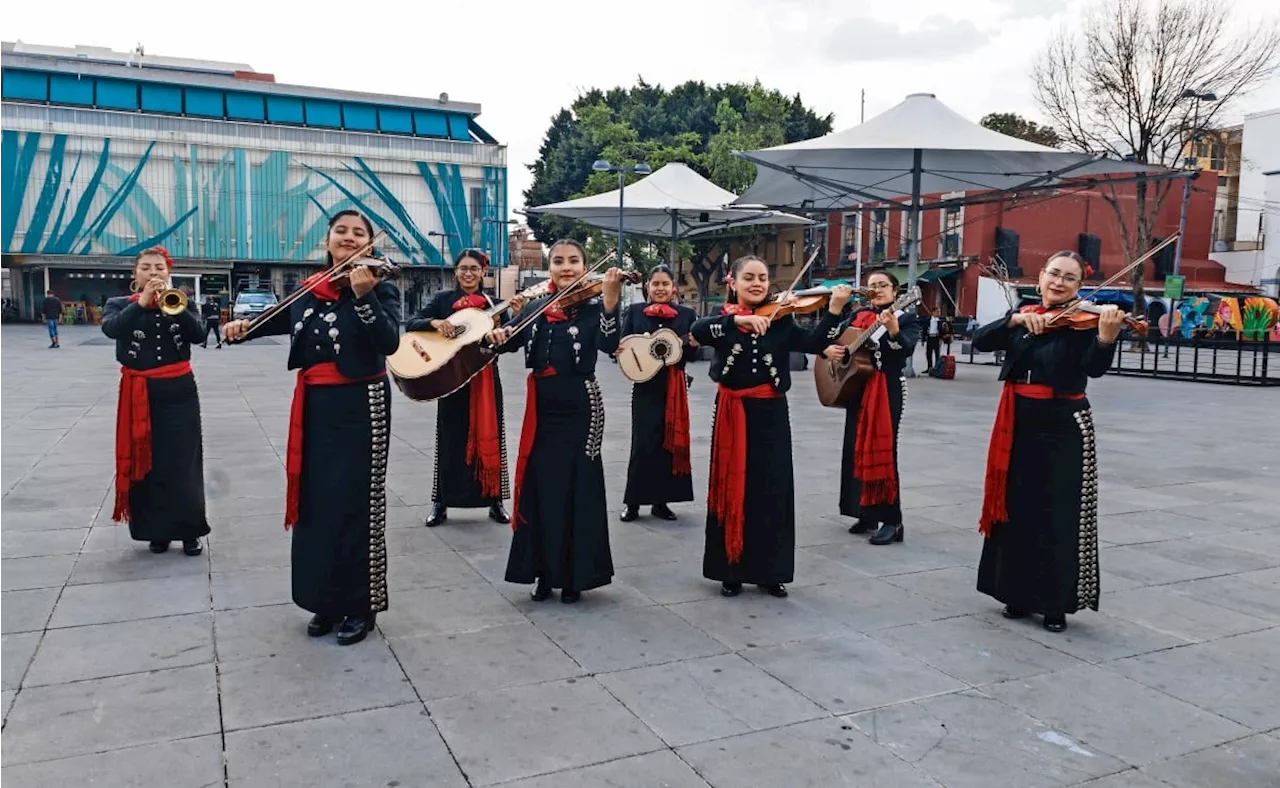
(173, 302)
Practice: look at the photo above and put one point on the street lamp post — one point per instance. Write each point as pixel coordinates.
(603, 165)
(1190, 160)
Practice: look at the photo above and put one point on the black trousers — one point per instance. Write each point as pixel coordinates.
(931, 345)
(213, 325)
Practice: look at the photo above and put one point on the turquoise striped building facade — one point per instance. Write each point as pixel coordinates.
(235, 174)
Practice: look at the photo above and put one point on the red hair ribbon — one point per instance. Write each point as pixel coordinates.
(1088, 271)
(163, 252)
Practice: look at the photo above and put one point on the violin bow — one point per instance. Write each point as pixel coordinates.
(1114, 278)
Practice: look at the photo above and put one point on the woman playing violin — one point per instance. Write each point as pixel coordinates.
(869, 478)
(560, 517)
(339, 427)
(659, 471)
(1039, 511)
(751, 527)
(471, 442)
(159, 456)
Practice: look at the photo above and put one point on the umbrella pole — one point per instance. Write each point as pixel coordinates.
(913, 256)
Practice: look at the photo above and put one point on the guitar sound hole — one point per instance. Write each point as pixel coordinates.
(660, 350)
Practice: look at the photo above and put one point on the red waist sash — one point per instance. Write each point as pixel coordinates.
(528, 431)
(675, 436)
(994, 504)
(133, 429)
(325, 374)
(727, 488)
(873, 461)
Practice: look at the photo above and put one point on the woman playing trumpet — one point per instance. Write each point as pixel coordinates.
(339, 428)
(159, 457)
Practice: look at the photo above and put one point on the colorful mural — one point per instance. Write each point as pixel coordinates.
(69, 195)
(1253, 318)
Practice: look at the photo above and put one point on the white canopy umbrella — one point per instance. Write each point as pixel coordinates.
(920, 146)
(673, 203)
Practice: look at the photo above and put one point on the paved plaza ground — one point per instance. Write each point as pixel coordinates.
(884, 667)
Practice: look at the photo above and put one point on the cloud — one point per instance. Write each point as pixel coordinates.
(937, 38)
(1032, 9)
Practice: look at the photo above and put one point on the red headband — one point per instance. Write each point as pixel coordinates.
(160, 250)
(1088, 270)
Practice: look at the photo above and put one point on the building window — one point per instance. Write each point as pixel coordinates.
(879, 234)
(791, 252)
(851, 246)
(952, 230)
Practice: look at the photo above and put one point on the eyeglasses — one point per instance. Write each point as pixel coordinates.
(1054, 273)
(469, 269)
(881, 286)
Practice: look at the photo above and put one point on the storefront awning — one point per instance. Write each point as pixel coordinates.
(934, 274)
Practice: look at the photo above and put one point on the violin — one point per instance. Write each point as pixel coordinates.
(381, 268)
(800, 302)
(591, 286)
(1083, 316)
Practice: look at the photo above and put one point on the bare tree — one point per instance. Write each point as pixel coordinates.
(1139, 83)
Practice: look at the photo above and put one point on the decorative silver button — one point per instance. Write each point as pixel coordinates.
(573, 331)
(333, 333)
(297, 326)
(308, 313)
(330, 317)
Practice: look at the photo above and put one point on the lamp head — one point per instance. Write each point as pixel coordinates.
(601, 165)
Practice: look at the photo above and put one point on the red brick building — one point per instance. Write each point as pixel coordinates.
(525, 251)
(1024, 232)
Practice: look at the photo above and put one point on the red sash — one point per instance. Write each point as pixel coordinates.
(484, 441)
(873, 460)
(133, 429)
(1000, 450)
(675, 436)
(325, 374)
(528, 431)
(727, 489)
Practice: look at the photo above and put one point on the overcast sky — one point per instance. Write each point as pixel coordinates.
(523, 61)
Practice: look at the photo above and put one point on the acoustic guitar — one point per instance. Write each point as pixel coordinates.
(641, 356)
(428, 365)
(840, 383)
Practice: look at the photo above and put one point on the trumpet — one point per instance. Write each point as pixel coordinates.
(173, 302)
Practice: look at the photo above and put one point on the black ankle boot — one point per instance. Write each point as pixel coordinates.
(1055, 623)
(159, 547)
(541, 592)
(888, 534)
(861, 527)
(355, 628)
(1012, 612)
(192, 547)
(775, 589)
(569, 596)
(438, 515)
(499, 514)
(319, 626)
(630, 513)
(663, 512)
(730, 589)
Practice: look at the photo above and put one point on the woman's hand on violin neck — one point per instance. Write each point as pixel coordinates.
(516, 304)
(235, 330)
(1109, 324)
(499, 336)
(840, 295)
(756, 324)
(612, 288)
(362, 281)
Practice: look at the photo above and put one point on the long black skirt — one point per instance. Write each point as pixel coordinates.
(1045, 559)
(649, 476)
(339, 549)
(769, 520)
(562, 530)
(851, 488)
(455, 482)
(167, 505)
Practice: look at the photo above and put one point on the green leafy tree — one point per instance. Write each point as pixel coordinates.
(692, 123)
(1014, 125)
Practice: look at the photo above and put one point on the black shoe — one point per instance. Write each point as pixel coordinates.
(499, 515)
(159, 547)
(861, 527)
(1055, 623)
(775, 589)
(319, 626)
(663, 512)
(438, 515)
(730, 589)
(630, 513)
(1013, 612)
(192, 547)
(569, 596)
(887, 534)
(204, 345)
(354, 628)
(541, 592)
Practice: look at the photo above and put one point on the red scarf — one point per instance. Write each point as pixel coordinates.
(664, 311)
(995, 508)
(873, 454)
(727, 490)
(528, 431)
(324, 289)
(473, 301)
(554, 313)
(738, 310)
(325, 374)
(675, 436)
(133, 429)
(484, 442)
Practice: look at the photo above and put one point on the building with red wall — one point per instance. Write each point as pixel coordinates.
(956, 241)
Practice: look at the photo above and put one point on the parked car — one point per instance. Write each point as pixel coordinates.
(251, 303)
